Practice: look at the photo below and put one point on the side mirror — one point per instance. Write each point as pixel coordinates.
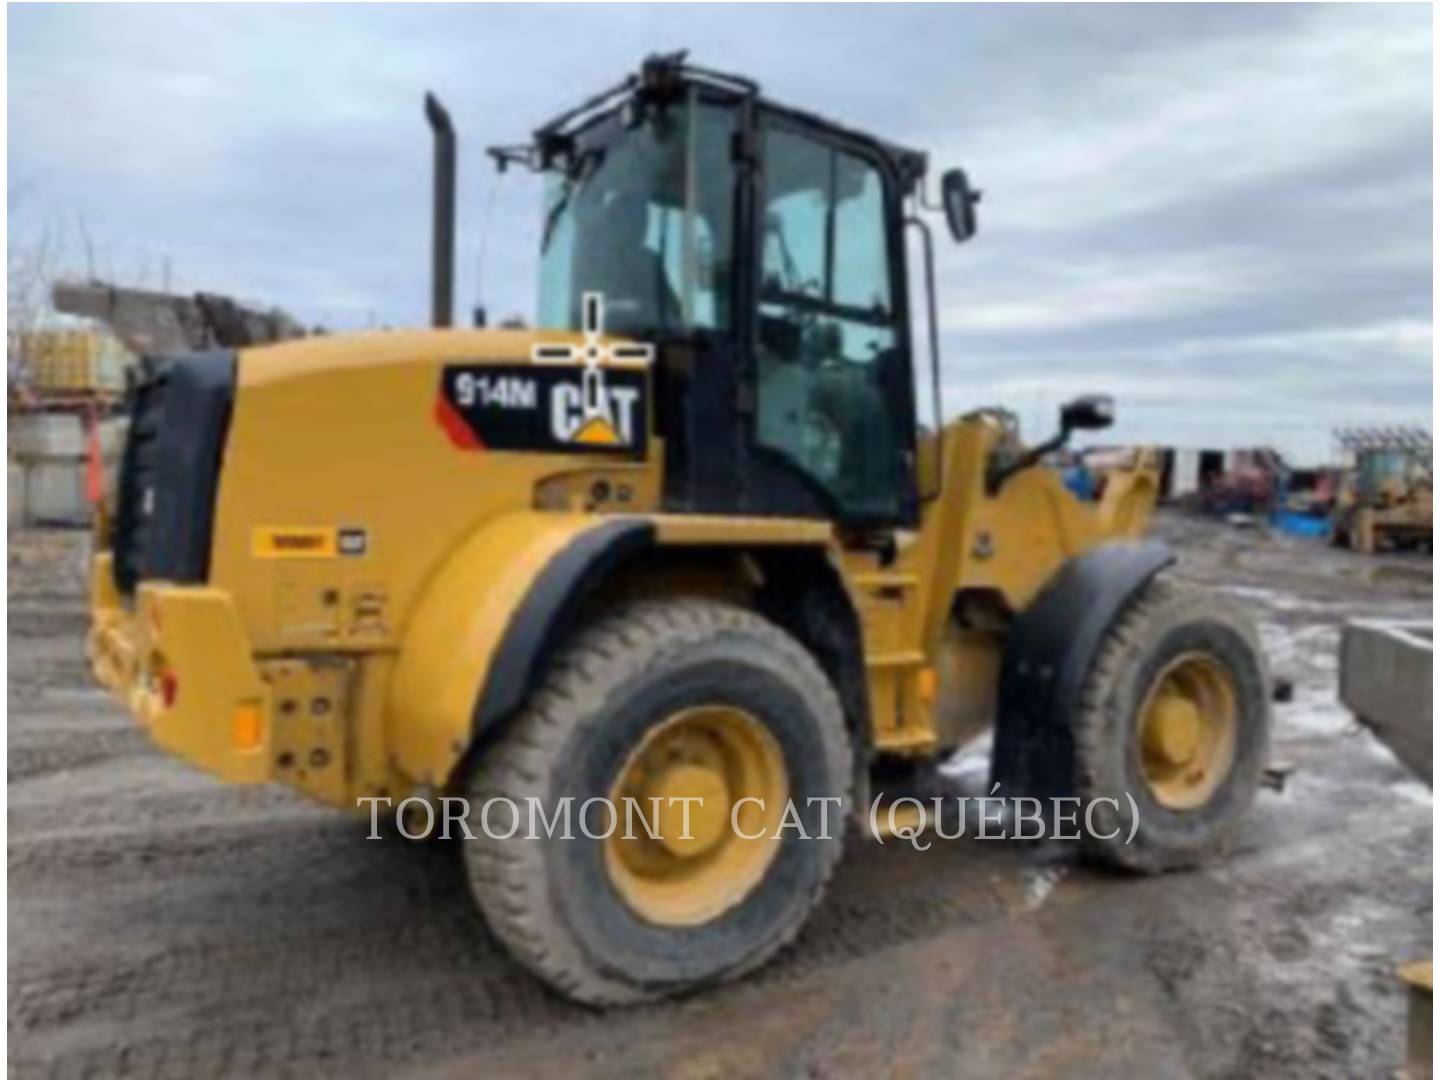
(1093, 412)
(1089, 413)
(959, 200)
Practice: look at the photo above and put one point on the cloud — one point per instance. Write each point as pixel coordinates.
(1039, 296)
(1288, 390)
(1150, 128)
(1221, 213)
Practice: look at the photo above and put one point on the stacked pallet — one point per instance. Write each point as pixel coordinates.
(72, 363)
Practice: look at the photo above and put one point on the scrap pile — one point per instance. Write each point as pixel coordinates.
(66, 384)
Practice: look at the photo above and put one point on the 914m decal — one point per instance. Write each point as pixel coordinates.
(571, 398)
(544, 409)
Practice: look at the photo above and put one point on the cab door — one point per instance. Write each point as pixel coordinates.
(832, 371)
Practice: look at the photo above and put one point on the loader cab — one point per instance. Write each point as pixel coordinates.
(761, 250)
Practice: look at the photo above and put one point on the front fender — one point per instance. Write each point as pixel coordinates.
(483, 623)
(1053, 644)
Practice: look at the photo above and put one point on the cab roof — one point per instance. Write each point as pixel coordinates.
(665, 78)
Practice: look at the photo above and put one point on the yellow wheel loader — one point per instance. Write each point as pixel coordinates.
(1385, 501)
(689, 545)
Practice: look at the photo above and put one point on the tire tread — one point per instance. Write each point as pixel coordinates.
(509, 877)
(1131, 632)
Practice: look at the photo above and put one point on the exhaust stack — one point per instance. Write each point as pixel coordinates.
(442, 268)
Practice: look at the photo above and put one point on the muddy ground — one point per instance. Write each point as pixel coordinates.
(163, 924)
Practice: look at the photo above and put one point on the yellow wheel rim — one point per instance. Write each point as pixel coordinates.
(685, 876)
(1187, 731)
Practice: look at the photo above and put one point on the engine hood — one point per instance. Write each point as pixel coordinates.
(375, 454)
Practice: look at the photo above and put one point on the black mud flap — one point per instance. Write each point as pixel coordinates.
(1052, 646)
(170, 470)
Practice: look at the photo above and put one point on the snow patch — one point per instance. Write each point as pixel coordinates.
(970, 765)
(1279, 600)
(1315, 710)
(1040, 882)
(1307, 655)
(1412, 790)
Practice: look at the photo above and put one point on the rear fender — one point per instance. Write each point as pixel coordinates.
(483, 626)
(1052, 647)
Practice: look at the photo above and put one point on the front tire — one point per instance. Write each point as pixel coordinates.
(1173, 730)
(681, 698)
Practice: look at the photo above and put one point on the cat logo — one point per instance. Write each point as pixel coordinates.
(593, 414)
(588, 397)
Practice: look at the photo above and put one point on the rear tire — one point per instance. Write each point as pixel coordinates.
(1175, 716)
(577, 914)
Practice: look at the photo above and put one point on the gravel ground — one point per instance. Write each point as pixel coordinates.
(162, 924)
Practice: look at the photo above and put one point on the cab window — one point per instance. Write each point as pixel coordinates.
(644, 217)
(828, 337)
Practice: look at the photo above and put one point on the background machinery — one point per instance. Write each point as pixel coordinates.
(1385, 500)
(687, 543)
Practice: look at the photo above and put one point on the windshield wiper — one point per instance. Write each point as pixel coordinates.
(553, 218)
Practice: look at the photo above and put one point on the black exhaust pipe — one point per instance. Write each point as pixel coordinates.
(442, 269)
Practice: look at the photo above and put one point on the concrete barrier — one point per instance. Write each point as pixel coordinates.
(1386, 673)
(44, 435)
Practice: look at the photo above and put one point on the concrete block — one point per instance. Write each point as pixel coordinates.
(55, 493)
(1386, 674)
(52, 435)
(46, 435)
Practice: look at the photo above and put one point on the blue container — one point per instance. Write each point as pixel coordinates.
(1297, 524)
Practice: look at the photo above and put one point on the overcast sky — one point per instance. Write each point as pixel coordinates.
(1220, 214)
